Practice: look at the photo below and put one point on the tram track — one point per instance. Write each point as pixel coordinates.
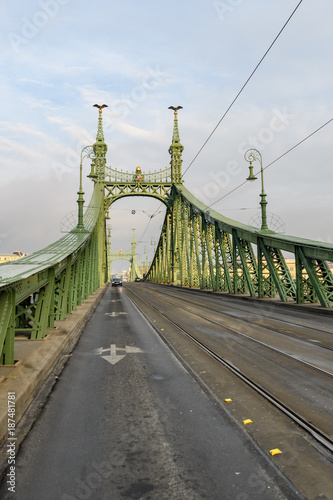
(252, 339)
(260, 323)
(319, 435)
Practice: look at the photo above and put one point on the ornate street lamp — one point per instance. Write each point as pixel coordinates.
(88, 151)
(250, 156)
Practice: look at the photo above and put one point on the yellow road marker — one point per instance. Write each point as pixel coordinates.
(276, 451)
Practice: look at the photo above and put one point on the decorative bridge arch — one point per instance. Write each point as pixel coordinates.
(198, 247)
(138, 183)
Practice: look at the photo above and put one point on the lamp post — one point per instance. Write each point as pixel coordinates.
(250, 156)
(88, 151)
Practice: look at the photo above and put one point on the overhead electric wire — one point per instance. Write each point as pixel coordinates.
(144, 231)
(274, 161)
(150, 219)
(243, 87)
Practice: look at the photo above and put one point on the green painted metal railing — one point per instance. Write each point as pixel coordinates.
(45, 286)
(201, 248)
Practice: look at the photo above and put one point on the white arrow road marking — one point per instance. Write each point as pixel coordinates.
(114, 314)
(132, 350)
(113, 357)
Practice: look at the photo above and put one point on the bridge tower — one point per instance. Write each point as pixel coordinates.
(98, 175)
(134, 268)
(130, 256)
(175, 151)
(175, 231)
(158, 184)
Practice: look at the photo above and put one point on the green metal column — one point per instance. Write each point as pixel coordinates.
(249, 265)
(235, 276)
(197, 239)
(194, 253)
(7, 327)
(100, 149)
(134, 267)
(225, 248)
(186, 244)
(208, 236)
(44, 309)
(62, 290)
(315, 287)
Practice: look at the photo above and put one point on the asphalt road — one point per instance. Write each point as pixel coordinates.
(279, 351)
(269, 342)
(127, 421)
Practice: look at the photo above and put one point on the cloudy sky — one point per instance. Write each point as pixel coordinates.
(59, 57)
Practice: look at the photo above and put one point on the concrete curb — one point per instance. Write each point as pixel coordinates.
(37, 372)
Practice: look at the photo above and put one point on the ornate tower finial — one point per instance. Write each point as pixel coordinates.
(176, 150)
(100, 148)
(100, 135)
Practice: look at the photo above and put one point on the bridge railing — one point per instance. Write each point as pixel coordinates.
(45, 286)
(201, 248)
(112, 174)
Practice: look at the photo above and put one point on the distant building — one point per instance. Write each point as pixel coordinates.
(292, 267)
(8, 257)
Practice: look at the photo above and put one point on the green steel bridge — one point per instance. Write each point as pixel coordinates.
(198, 248)
(130, 256)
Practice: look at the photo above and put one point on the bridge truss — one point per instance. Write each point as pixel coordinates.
(198, 247)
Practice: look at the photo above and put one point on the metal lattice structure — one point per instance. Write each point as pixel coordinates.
(198, 247)
(201, 248)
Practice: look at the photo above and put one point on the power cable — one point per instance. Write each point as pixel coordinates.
(144, 231)
(153, 215)
(150, 219)
(243, 87)
(281, 156)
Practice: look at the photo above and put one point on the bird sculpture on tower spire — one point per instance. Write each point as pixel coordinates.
(100, 107)
(175, 108)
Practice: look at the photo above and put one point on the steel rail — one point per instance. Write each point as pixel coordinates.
(274, 349)
(318, 434)
(311, 342)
